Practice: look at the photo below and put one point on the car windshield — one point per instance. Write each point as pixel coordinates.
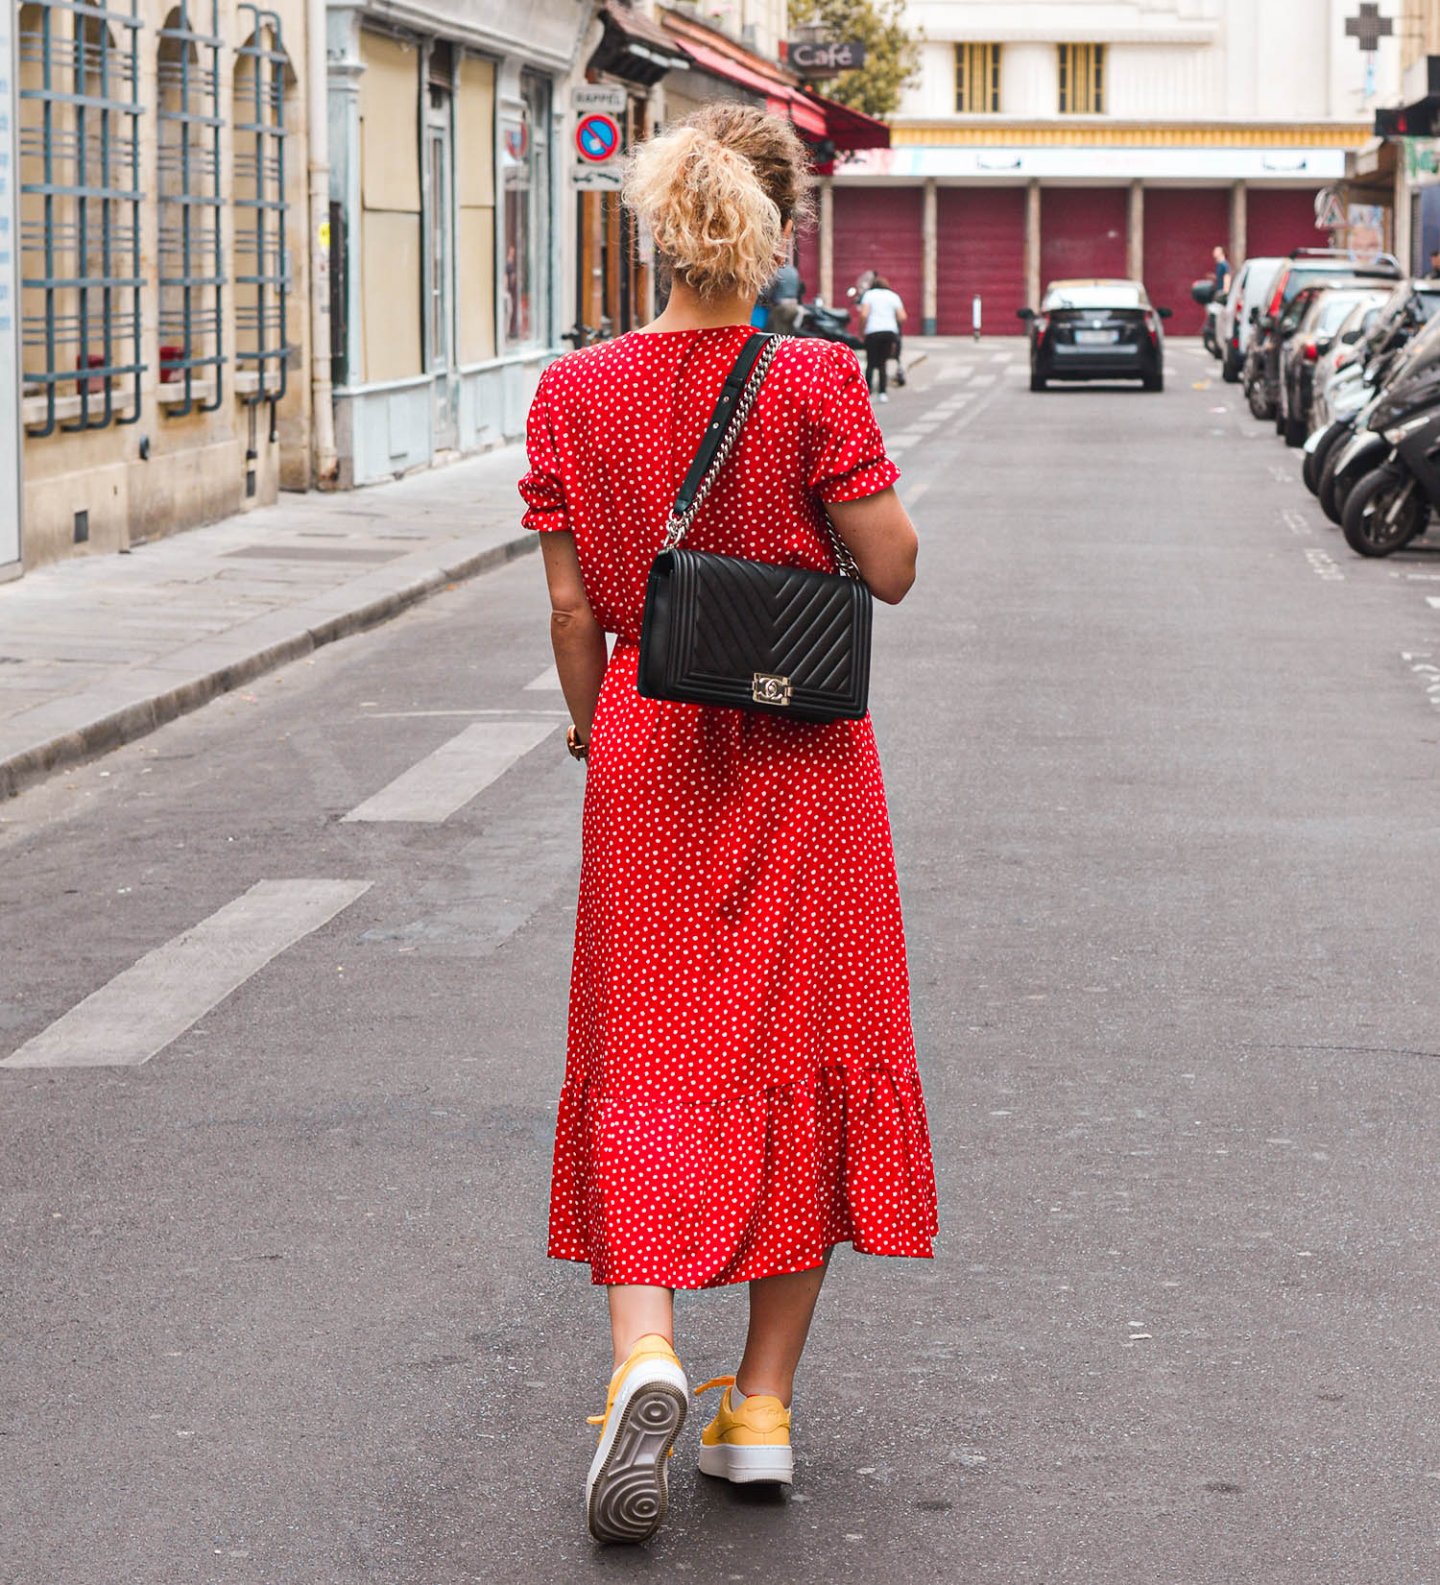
(1103, 296)
(1333, 308)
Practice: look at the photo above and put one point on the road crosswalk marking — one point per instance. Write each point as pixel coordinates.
(442, 782)
(156, 1000)
(547, 682)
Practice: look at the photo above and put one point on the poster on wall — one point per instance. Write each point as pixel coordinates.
(9, 306)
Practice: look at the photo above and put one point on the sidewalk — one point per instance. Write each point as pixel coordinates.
(97, 651)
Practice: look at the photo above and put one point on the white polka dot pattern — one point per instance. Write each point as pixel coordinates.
(740, 1090)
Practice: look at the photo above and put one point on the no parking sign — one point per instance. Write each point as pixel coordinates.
(599, 137)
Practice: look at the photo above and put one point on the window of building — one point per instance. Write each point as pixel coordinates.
(80, 193)
(191, 273)
(977, 79)
(391, 239)
(262, 253)
(526, 151)
(1082, 79)
(475, 220)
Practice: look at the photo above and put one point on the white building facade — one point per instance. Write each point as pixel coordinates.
(1049, 138)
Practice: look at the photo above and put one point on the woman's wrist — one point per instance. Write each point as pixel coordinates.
(578, 743)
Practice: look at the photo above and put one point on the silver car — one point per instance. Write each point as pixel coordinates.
(1249, 290)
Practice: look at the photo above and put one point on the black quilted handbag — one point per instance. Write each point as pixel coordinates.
(749, 634)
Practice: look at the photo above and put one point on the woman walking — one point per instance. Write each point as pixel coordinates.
(740, 1090)
(881, 314)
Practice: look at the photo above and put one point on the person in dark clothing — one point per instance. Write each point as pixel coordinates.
(783, 295)
(1222, 272)
(881, 316)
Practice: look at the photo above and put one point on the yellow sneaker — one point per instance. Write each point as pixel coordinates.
(748, 1443)
(626, 1493)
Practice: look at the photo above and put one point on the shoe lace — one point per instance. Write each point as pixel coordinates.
(719, 1381)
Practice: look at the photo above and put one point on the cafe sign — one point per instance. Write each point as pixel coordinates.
(812, 58)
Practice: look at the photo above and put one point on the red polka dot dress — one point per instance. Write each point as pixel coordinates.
(740, 1088)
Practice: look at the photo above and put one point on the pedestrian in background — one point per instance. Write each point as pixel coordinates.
(741, 1093)
(881, 316)
(1222, 272)
(784, 294)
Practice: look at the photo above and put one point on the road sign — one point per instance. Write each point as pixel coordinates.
(599, 137)
(1329, 211)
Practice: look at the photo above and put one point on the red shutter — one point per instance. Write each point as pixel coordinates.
(1183, 226)
(879, 228)
(981, 247)
(1082, 233)
(1278, 219)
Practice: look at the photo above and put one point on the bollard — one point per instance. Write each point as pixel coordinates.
(975, 315)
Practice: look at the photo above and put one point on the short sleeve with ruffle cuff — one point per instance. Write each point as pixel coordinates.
(543, 487)
(849, 457)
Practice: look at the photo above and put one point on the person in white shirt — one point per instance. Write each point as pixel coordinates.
(881, 316)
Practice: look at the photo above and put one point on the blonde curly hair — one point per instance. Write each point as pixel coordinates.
(716, 190)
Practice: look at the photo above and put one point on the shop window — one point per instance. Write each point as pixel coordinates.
(80, 194)
(526, 157)
(191, 274)
(977, 79)
(1082, 79)
(260, 200)
(475, 192)
(390, 273)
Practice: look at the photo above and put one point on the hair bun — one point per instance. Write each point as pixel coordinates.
(715, 191)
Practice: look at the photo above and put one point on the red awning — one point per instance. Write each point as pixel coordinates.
(850, 129)
(780, 98)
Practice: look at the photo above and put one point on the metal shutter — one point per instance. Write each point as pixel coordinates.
(1182, 227)
(1278, 219)
(879, 228)
(981, 250)
(1082, 233)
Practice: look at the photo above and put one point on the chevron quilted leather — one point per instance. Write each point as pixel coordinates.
(714, 624)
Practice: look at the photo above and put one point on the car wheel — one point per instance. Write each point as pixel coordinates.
(1260, 405)
(1154, 382)
(1385, 511)
(1295, 432)
(1037, 380)
(1230, 370)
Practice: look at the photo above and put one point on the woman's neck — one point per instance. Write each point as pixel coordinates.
(687, 310)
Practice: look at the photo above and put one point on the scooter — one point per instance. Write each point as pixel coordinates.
(1390, 506)
(827, 324)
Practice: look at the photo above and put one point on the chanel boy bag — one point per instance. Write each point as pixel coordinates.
(722, 630)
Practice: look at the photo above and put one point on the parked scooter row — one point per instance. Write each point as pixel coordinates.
(1344, 357)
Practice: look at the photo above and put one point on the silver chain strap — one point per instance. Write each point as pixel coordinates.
(679, 523)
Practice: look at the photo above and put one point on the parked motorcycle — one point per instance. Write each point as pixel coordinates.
(1391, 506)
(826, 324)
(1413, 390)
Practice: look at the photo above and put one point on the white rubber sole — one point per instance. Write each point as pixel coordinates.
(741, 1465)
(626, 1492)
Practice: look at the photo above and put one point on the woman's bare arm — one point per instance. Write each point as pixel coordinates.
(576, 637)
(882, 540)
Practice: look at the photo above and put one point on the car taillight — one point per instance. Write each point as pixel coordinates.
(1310, 352)
(1277, 299)
(1152, 324)
(1042, 326)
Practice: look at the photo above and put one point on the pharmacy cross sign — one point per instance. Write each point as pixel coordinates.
(1369, 27)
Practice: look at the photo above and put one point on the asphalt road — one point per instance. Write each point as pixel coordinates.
(1161, 757)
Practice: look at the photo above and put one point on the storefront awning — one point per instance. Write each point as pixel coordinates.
(851, 129)
(780, 98)
(635, 48)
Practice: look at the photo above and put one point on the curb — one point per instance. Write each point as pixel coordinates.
(130, 721)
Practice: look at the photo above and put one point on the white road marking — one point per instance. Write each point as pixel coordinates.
(1295, 521)
(1433, 601)
(547, 682)
(156, 1000)
(1323, 565)
(456, 772)
(984, 379)
(999, 357)
(956, 371)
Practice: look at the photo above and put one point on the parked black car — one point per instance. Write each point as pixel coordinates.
(1096, 330)
(1305, 267)
(1313, 319)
